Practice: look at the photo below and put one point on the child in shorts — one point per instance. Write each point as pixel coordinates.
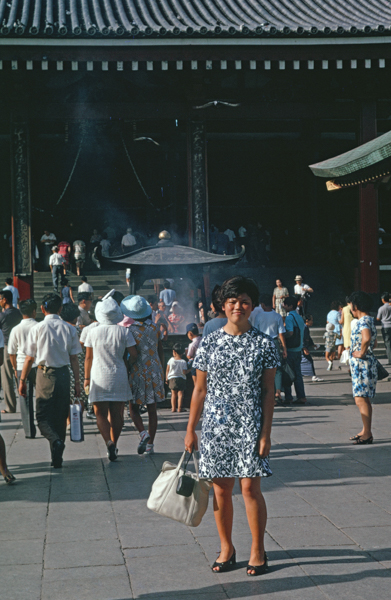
(330, 337)
(176, 377)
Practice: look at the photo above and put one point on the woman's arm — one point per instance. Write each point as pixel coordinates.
(87, 366)
(274, 301)
(365, 341)
(167, 372)
(341, 321)
(160, 352)
(267, 411)
(196, 406)
(71, 294)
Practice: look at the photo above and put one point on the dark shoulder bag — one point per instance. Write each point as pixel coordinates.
(294, 341)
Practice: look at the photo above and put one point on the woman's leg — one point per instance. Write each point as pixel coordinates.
(180, 400)
(101, 412)
(3, 461)
(174, 396)
(116, 420)
(224, 512)
(256, 516)
(365, 408)
(136, 417)
(339, 351)
(152, 421)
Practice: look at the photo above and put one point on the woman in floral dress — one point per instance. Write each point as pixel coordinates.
(363, 363)
(236, 366)
(146, 378)
(279, 295)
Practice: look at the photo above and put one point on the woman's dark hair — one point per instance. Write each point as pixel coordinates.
(118, 297)
(64, 282)
(235, 286)
(70, 312)
(335, 305)
(178, 348)
(361, 301)
(51, 303)
(385, 296)
(290, 301)
(216, 299)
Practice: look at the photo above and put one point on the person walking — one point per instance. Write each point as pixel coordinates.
(70, 314)
(279, 294)
(167, 295)
(84, 302)
(384, 316)
(307, 362)
(47, 241)
(270, 323)
(85, 287)
(56, 263)
(4, 470)
(14, 291)
(9, 318)
(106, 371)
(66, 292)
(128, 241)
(334, 317)
(362, 362)
(302, 290)
(79, 255)
(17, 348)
(176, 377)
(52, 344)
(346, 323)
(294, 337)
(236, 367)
(146, 378)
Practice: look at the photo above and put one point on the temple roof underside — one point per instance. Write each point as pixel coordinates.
(197, 18)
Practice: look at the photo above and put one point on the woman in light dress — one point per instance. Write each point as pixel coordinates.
(279, 295)
(106, 371)
(363, 364)
(346, 322)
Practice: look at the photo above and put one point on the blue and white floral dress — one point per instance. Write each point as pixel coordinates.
(232, 411)
(364, 371)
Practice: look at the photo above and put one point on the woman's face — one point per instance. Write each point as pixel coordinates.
(238, 310)
(279, 283)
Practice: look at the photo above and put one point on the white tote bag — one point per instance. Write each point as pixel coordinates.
(165, 500)
(344, 357)
(76, 419)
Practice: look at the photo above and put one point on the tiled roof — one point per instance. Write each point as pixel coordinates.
(100, 18)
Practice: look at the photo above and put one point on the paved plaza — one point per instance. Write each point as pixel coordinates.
(85, 533)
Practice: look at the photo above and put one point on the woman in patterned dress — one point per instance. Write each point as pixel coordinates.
(279, 295)
(363, 365)
(70, 313)
(236, 366)
(146, 378)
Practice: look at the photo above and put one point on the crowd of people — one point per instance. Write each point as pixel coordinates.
(108, 353)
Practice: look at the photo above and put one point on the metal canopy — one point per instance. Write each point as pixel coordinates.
(170, 255)
(365, 164)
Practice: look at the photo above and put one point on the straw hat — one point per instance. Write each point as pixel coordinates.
(298, 278)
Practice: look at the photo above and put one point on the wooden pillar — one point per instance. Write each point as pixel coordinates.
(21, 210)
(198, 211)
(368, 212)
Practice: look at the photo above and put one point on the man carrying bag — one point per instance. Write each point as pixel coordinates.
(294, 335)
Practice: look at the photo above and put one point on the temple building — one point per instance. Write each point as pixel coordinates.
(180, 114)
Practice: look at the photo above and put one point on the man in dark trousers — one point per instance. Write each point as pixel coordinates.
(9, 318)
(17, 344)
(53, 345)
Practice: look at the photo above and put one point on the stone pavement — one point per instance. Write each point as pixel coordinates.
(85, 533)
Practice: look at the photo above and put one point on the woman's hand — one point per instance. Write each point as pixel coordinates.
(191, 441)
(358, 354)
(265, 445)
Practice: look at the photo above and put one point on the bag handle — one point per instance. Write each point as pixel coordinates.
(195, 459)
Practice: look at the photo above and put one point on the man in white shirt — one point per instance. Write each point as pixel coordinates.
(56, 261)
(84, 301)
(17, 345)
(303, 290)
(14, 291)
(54, 345)
(47, 241)
(105, 245)
(269, 322)
(128, 241)
(167, 295)
(86, 287)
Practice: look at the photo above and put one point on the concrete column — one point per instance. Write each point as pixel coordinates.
(368, 211)
(21, 209)
(198, 218)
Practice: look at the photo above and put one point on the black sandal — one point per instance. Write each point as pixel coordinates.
(259, 570)
(9, 478)
(361, 441)
(225, 566)
(354, 437)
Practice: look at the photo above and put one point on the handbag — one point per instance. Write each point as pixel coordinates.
(344, 360)
(76, 419)
(288, 375)
(382, 373)
(165, 500)
(295, 340)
